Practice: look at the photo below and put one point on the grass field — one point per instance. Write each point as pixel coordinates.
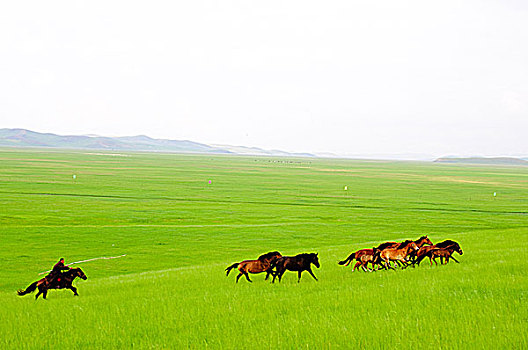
(180, 232)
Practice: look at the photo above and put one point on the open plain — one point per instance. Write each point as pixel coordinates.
(182, 219)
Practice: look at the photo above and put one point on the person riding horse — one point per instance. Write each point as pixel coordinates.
(56, 272)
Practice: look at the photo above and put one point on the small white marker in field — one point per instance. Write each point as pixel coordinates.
(346, 188)
(494, 194)
(74, 177)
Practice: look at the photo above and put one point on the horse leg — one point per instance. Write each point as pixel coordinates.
(311, 273)
(404, 264)
(39, 292)
(280, 274)
(45, 294)
(452, 257)
(356, 266)
(299, 275)
(247, 277)
(74, 290)
(238, 276)
(268, 273)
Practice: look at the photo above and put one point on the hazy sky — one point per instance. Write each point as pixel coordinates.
(348, 77)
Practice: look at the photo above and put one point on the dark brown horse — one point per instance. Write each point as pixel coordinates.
(262, 264)
(442, 253)
(420, 242)
(447, 248)
(428, 251)
(63, 282)
(299, 263)
(423, 252)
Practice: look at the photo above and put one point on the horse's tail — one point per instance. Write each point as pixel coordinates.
(348, 260)
(28, 290)
(231, 267)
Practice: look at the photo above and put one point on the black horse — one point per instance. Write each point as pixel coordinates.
(63, 282)
(299, 263)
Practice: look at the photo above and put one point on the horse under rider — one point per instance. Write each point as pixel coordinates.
(56, 272)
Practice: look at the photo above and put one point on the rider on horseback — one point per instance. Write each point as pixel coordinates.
(56, 272)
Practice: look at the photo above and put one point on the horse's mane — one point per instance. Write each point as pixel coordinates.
(447, 243)
(404, 244)
(384, 245)
(70, 271)
(268, 255)
(305, 255)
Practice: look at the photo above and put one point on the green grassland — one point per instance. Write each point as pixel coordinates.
(180, 232)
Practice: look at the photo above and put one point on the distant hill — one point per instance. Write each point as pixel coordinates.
(27, 138)
(255, 151)
(484, 161)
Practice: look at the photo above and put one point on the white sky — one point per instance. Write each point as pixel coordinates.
(348, 77)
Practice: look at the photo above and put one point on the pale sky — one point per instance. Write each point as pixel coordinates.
(347, 77)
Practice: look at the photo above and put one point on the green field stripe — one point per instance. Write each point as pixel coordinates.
(180, 226)
(224, 201)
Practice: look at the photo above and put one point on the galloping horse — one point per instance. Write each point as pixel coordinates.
(420, 242)
(64, 282)
(299, 263)
(445, 249)
(361, 257)
(450, 245)
(399, 253)
(262, 264)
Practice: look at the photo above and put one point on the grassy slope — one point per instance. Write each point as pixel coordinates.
(180, 233)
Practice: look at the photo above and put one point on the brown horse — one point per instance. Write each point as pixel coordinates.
(428, 251)
(446, 249)
(363, 257)
(442, 253)
(420, 242)
(424, 251)
(299, 263)
(396, 245)
(400, 253)
(262, 264)
(63, 282)
(356, 255)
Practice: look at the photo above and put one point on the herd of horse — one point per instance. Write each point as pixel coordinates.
(401, 254)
